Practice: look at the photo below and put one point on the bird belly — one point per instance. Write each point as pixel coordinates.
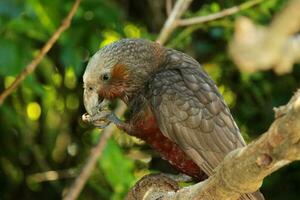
(148, 130)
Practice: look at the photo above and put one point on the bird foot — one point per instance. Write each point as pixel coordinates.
(178, 177)
(101, 119)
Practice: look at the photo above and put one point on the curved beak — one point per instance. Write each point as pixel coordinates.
(93, 103)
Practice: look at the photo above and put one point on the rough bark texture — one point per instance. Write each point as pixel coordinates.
(244, 169)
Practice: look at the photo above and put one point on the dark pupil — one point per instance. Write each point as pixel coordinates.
(105, 77)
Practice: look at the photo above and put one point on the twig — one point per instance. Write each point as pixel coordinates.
(174, 20)
(203, 19)
(87, 169)
(42, 163)
(243, 170)
(91, 161)
(51, 175)
(218, 15)
(34, 63)
(261, 48)
(291, 11)
(171, 22)
(169, 5)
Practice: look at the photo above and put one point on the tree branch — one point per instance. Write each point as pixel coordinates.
(169, 5)
(195, 22)
(51, 175)
(91, 161)
(34, 63)
(171, 23)
(174, 20)
(218, 15)
(244, 169)
(261, 48)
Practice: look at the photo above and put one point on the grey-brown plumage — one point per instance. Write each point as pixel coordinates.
(174, 89)
(191, 112)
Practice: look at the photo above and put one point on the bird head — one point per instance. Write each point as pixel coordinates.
(118, 70)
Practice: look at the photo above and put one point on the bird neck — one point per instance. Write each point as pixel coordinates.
(158, 59)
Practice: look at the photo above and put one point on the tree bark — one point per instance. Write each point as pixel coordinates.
(242, 170)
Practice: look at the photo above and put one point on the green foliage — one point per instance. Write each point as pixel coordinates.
(41, 128)
(118, 170)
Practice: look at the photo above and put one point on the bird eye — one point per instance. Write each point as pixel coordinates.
(105, 77)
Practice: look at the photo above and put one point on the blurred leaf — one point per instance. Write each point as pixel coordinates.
(118, 169)
(8, 63)
(71, 58)
(10, 8)
(28, 28)
(42, 14)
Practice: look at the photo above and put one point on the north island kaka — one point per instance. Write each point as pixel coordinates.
(175, 106)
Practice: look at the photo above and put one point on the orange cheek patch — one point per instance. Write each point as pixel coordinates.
(110, 92)
(118, 83)
(119, 72)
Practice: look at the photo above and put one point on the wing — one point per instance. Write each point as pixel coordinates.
(191, 112)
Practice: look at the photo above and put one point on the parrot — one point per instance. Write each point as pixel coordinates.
(175, 107)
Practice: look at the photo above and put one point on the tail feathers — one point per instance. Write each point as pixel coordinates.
(254, 196)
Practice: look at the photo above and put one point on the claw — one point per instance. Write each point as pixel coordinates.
(101, 119)
(113, 118)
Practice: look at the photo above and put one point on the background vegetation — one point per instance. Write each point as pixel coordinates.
(43, 141)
